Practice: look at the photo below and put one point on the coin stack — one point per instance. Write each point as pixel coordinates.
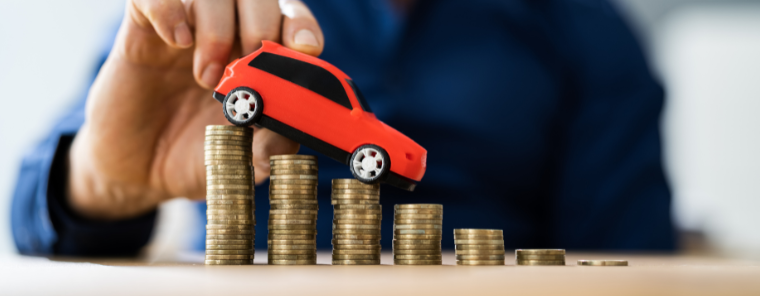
(356, 224)
(417, 234)
(540, 257)
(293, 210)
(479, 246)
(229, 195)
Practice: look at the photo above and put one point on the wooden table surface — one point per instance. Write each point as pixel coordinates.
(646, 275)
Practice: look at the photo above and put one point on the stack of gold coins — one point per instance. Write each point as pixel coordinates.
(479, 246)
(540, 256)
(417, 234)
(293, 209)
(356, 224)
(229, 195)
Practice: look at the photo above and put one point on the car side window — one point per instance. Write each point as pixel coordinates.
(312, 77)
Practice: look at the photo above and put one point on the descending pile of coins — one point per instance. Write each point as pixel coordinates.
(229, 195)
(356, 224)
(479, 246)
(540, 256)
(293, 210)
(417, 230)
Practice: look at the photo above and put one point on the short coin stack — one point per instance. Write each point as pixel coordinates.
(479, 246)
(356, 224)
(229, 195)
(293, 210)
(540, 256)
(417, 230)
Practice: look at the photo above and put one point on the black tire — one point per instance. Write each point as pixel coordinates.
(374, 176)
(249, 118)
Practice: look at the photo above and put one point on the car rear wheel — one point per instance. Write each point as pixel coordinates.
(243, 106)
(370, 164)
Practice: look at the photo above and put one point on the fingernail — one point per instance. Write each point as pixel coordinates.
(305, 37)
(211, 75)
(182, 35)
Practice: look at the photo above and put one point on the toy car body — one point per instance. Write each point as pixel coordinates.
(314, 103)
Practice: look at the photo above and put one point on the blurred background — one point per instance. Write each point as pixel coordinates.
(706, 52)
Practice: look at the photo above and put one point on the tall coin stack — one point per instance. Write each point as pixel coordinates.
(417, 230)
(356, 224)
(479, 246)
(540, 257)
(293, 209)
(229, 195)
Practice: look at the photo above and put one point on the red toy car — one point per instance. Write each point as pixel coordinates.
(314, 103)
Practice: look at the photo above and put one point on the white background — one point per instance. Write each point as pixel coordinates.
(707, 53)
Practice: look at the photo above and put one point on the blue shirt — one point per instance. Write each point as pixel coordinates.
(540, 117)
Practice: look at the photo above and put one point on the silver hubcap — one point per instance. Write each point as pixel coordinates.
(369, 163)
(241, 105)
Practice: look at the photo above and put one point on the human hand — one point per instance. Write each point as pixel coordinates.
(142, 141)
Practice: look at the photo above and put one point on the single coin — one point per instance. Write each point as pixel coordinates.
(236, 133)
(230, 222)
(356, 231)
(417, 242)
(540, 252)
(417, 237)
(346, 181)
(417, 212)
(415, 222)
(230, 217)
(479, 247)
(292, 162)
(354, 202)
(480, 257)
(356, 217)
(248, 237)
(294, 167)
(418, 231)
(292, 217)
(230, 252)
(292, 212)
(344, 226)
(292, 222)
(229, 257)
(292, 157)
(227, 157)
(229, 247)
(229, 186)
(229, 242)
(357, 222)
(355, 241)
(479, 252)
(291, 257)
(376, 246)
(416, 247)
(294, 182)
(230, 197)
(356, 252)
(416, 252)
(541, 257)
(229, 262)
(229, 212)
(292, 252)
(417, 262)
(480, 262)
(356, 257)
(294, 204)
(293, 262)
(292, 227)
(292, 192)
(246, 177)
(293, 177)
(293, 236)
(356, 262)
(359, 212)
(358, 207)
(213, 162)
(371, 192)
(478, 242)
(603, 262)
(273, 197)
(291, 247)
(293, 187)
(357, 186)
(539, 262)
(293, 232)
(213, 137)
(417, 257)
(227, 143)
(292, 241)
(211, 128)
(247, 168)
(230, 204)
(417, 217)
(343, 196)
(229, 227)
(356, 236)
(228, 182)
(418, 206)
(249, 193)
(229, 232)
(478, 237)
(416, 226)
(213, 153)
(293, 172)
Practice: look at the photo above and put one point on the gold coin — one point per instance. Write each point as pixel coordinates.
(291, 236)
(248, 237)
(247, 139)
(292, 252)
(478, 237)
(418, 206)
(292, 212)
(293, 196)
(293, 232)
(227, 158)
(417, 217)
(355, 201)
(480, 262)
(478, 242)
(417, 262)
(291, 257)
(357, 247)
(418, 231)
(292, 157)
(356, 236)
(358, 207)
(356, 252)
(479, 247)
(418, 212)
(356, 231)
(416, 241)
(293, 172)
(236, 153)
(213, 128)
(415, 222)
(357, 186)
(416, 237)
(356, 262)
(230, 222)
(292, 222)
(359, 212)
(247, 168)
(229, 182)
(239, 133)
(416, 247)
(416, 252)
(228, 187)
(292, 162)
(417, 257)
(229, 242)
(229, 232)
(227, 143)
(230, 197)
(226, 149)
(479, 252)
(229, 262)
(603, 262)
(293, 262)
(355, 241)
(480, 257)
(416, 226)
(292, 247)
(292, 241)
(247, 177)
(292, 217)
(346, 181)
(294, 204)
(541, 257)
(294, 182)
(224, 192)
(540, 252)
(230, 252)
(356, 197)
(293, 177)
(294, 167)
(229, 257)
(229, 247)
(228, 212)
(229, 204)
(356, 257)
(539, 262)
(344, 226)
(293, 187)
(230, 217)
(292, 192)
(356, 222)
(229, 227)
(371, 192)
(292, 227)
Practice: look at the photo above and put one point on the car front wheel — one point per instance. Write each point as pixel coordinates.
(370, 164)
(243, 106)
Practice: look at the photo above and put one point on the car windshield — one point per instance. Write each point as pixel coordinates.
(359, 96)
